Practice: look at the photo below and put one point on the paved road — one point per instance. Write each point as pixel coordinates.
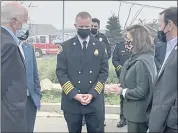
(57, 124)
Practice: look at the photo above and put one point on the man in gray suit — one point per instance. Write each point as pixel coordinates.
(13, 73)
(163, 116)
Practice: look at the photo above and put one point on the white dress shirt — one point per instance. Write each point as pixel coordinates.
(170, 46)
(81, 41)
(22, 52)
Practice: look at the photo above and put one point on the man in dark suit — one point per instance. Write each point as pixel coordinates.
(160, 52)
(82, 70)
(163, 115)
(13, 73)
(33, 83)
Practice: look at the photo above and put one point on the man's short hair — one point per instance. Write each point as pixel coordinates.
(96, 20)
(83, 15)
(170, 14)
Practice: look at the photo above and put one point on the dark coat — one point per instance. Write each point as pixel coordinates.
(138, 74)
(13, 86)
(101, 37)
(84, 73)
(33, 81)
(120, 56)
(164, 103)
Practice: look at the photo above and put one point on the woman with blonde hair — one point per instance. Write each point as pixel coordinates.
(137, 76)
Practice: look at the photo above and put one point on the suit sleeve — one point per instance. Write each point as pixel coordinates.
(62, 75)
(36, 76)
(108, 46)
(115, 59)
(102, 76)
(8, 50)
(142, 83)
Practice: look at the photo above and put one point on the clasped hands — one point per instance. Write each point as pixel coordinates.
(84, 99)
(116, 89)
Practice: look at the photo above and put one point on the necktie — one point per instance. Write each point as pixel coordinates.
(84, 46)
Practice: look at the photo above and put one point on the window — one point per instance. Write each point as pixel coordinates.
(43, 39)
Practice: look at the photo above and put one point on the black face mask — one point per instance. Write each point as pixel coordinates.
(162, 35)
(24, 37)
(83, 33)
(94, 31)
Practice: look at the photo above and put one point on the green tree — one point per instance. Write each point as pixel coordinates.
(113, 29)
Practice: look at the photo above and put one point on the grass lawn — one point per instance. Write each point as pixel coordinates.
(54, 96)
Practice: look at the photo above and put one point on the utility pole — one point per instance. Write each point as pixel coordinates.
(63, 20)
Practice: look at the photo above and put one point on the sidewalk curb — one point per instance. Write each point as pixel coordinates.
(56, 107)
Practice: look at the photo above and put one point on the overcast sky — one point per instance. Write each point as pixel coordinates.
(50, 12)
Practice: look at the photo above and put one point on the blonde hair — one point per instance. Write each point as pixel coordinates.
(83, 15)
(142, 40)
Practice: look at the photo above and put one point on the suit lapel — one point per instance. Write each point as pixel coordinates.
(77, 49)
(170, 57)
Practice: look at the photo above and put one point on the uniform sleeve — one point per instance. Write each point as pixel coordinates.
(142, 83)
(62, 75)
(115, 59)
(108, 46)
(102, 77)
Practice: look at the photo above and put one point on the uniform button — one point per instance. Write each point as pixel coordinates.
(78, 90)
(79, 72)
(90, 82)
(79, 82)
(90, 71)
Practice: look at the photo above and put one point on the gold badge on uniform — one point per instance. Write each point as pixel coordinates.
(60, 49)
(100, 39)
(96, 53)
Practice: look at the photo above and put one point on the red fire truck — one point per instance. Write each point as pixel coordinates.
(46, 44)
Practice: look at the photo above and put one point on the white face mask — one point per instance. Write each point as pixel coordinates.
(22, 31)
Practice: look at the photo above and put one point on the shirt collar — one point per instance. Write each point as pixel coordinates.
(171, 44)
(12, 34)
(81, 40)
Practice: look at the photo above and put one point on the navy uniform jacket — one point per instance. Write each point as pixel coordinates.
(120, 56)
(101, 37)
(82, 73)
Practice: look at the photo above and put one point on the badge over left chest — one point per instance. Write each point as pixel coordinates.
(96, 52)
(100, 39)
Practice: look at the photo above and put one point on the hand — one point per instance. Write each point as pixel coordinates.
(84, 99)
(87, 99)
(116, 90)
(79, 97)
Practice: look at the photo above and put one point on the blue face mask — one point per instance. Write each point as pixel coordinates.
(21, 32)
